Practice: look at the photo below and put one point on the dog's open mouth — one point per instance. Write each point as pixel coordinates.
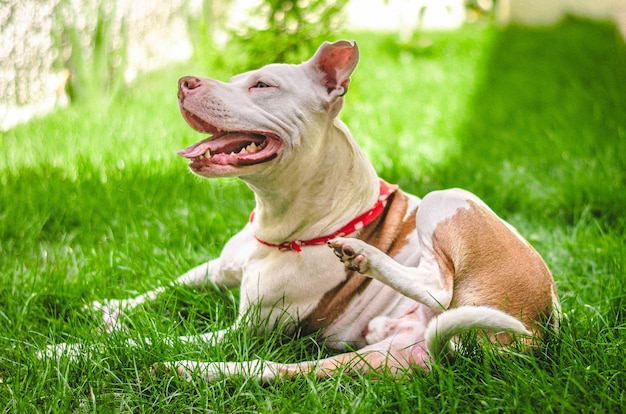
(234, 148)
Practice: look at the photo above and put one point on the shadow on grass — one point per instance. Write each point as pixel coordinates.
(547, 130)
(47, 205)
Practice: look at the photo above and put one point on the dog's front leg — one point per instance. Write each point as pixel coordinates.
(75, 351)
(212, 338)
(206, 274)
(112, 310)
(223, 272)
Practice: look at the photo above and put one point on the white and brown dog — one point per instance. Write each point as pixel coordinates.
(411, 273)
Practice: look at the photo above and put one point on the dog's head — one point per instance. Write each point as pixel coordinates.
(262, 118)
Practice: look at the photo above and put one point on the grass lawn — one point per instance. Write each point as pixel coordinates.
(95, 204)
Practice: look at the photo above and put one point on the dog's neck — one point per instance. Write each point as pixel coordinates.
(328, 187)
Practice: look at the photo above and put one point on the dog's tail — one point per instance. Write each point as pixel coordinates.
(452, 322)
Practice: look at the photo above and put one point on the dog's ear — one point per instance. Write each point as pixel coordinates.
(336, 61)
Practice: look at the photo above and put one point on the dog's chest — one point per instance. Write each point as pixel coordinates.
(290, 280)
(313, 288)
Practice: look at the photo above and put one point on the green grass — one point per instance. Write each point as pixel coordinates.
(95, 204)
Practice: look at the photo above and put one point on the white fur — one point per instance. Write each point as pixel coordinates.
(443, 327)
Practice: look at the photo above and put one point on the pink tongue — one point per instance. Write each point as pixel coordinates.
(196, 149)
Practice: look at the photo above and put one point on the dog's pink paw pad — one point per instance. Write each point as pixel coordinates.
(110, 320)
(359, 264)
(348, 255)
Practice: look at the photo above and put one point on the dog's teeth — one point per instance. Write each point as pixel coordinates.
(207, 154)
(249, 149)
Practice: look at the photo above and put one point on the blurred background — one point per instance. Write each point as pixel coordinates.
(55, 52)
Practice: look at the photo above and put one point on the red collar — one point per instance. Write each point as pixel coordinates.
(357, 224)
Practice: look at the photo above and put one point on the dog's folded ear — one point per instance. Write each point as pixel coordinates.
(336, 61)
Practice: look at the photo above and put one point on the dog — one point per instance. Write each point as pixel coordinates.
(387, 278)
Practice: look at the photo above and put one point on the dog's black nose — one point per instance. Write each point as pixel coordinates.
(187, 84)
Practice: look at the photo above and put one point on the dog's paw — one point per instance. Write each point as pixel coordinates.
(111, 320)
(110, 311)
(348, 251)
(377, 329)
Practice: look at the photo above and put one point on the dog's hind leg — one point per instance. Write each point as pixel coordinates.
(423, 283)
(430, 280)
(393, 355)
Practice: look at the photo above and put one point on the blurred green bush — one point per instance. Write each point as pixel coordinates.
(280, 31)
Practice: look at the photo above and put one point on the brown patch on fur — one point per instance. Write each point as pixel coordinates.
(403, 237)
(389, 233)
(492, 266)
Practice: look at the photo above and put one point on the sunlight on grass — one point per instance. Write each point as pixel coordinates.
(421, 114)
(142, 127)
